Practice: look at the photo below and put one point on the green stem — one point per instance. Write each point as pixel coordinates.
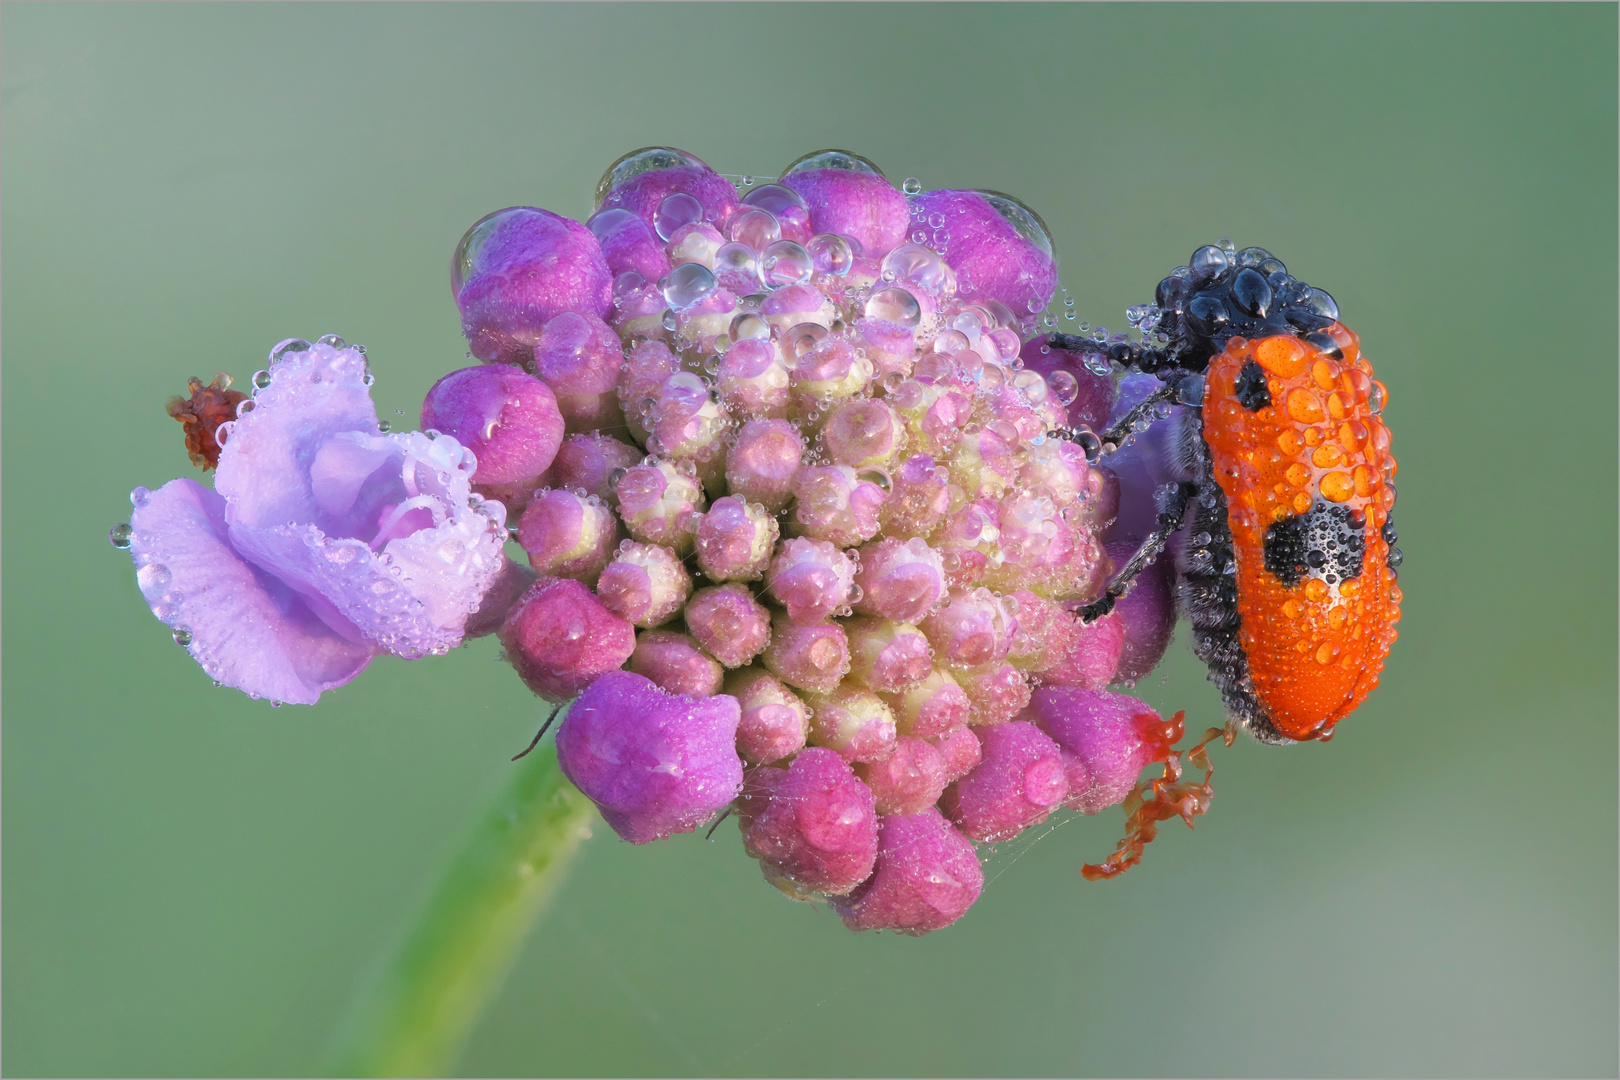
(412, 1020)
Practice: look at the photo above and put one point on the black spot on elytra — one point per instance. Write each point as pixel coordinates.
(1251, 388)
(1326, 541)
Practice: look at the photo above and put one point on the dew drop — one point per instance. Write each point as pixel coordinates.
(121, 535)
(911, 186)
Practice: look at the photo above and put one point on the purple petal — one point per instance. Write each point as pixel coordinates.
(248, 631)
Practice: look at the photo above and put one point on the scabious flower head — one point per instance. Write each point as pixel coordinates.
(788, 461)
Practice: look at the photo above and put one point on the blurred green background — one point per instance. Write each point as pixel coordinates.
(195, 884)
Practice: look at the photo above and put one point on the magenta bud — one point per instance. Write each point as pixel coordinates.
(909, 780)
(629, 244)
(641, 182)
(863, 433)
(559, 637)
(674, 661)
(775, 721)
(657, 501)
(836, 504)
(812, 579)
(1019, 781)
(858, 204)
(654, 763)
(763, 462)
(968, 540)
(1087, 396)
(1148, 612)
(1094, 657)
(638, 309)
(927, 875)
(579, 357)
(729, 623)
(1056, 468)
(887, 656)
(998, 248)
(899, 579)
(512, 582)
(694, 243)
(891, 346)
(645, 584)
(998, 692)
(854, 722)
(919, 500)
(828, 372)
(684, 423)
(810, 658)
(961, 750)
(734, 540)
(812, 826)
(568, 535)
(507, 418)
(971, 629)
(930, 707)
(1047, 633)
(753, 379)
(1107, 740)
(640, 379)
(587, 462)
(518, 269)
(795, 305)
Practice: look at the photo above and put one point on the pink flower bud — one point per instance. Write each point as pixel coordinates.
(961, 750)
(1047, 633)
(1106, 739)
(934, 415)
(508, 419)
(1019, 782)
(829, 371)
(927, 875)
(863, 433)
(899, 579)
(1090, 396)
(763, 462)
(753, 379)
(775, 721)
(657, 502)
(795, 305)
(734, 540)
(1148, 612)
(918, 500)
(638, 309)
(568, 535)
(703, 324)
(969, 541)
(587, 463)
(971, 629)
(909, 780)
(998, 692)
(629, 244)
(645, 584)
(579, 357)
(854, 722)
(1056, 467)
(729, 623)
(811, 579)
(511, 582)
(983, 461)
(655, 764)
(891, 346)
(519, 268)
(998, 248)
(694, 243)
(674, 661)
(930, 707)
(835, 504)
(812, 825)
(887, 656)
(684, 422)
(1094, 658)
(811, 658)
(855, 203)
(559, 638)
(640, 379)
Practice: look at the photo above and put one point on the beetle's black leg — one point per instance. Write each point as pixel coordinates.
(539, 734)
(1172, 500)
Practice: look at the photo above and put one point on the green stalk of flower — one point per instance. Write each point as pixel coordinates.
(414, 1017)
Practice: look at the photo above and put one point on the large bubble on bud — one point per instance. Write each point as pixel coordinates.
(560, 638)
(1018, 783)
(887, 656)
(863, 433)
(918, 500)
(516, 270)
(641, 180)
(812, 826)
(629, 244)
(508, 419)
(655, 763)
(657, 501)
(848, 195)
(927, 876)
(899, 579)
(999, 248)
(1106, 739)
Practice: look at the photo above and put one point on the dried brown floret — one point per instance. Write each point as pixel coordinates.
(202, 414)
